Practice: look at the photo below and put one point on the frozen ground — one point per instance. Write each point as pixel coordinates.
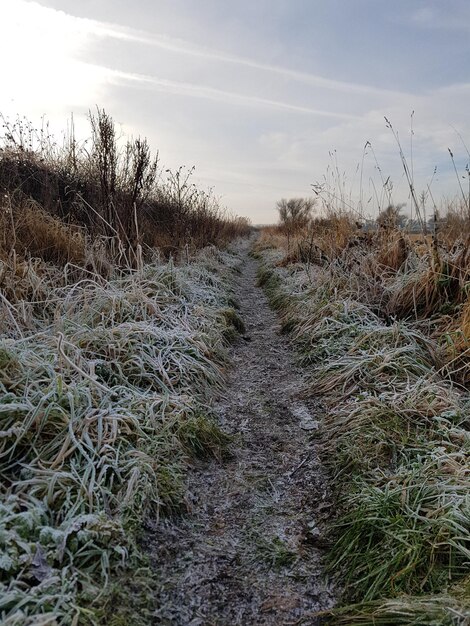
(250, 549)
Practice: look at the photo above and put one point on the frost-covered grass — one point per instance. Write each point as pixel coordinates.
(396, 441)
(437, 610)
(105, 396)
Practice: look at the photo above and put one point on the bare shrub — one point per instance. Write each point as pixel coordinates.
(117, 193)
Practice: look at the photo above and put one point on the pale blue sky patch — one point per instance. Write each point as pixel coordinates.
(256, 93)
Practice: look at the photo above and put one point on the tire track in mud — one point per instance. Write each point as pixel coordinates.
(249, 552)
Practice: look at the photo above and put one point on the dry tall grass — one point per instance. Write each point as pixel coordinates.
(382, 320)
(115, 310)
(105, 395)
(398, 275)
(118, 193)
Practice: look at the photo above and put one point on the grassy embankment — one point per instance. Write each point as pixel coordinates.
(383, 326)
(109, 355)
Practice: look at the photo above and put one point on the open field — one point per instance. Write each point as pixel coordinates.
(105, 397)
(384, 338)
(109, 357)
(203, 424)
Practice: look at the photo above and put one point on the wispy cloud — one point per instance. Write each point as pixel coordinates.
(185, 48)
(71, 37)
(220, 95)
(79, 28)
(255, 130)
(454, 16)
(188, 49)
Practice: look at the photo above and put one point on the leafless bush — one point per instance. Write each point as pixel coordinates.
(118, 194)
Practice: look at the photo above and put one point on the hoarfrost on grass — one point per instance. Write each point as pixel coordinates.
(396, 440)
(105, 391)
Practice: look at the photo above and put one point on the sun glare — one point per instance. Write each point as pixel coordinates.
(53, 78)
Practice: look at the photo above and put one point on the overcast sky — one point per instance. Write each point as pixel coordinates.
(257, 94)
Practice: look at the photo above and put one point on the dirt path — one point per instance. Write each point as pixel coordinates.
(249, 552)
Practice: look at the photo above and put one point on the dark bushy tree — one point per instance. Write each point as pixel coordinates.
(391, 217)
(295, 213)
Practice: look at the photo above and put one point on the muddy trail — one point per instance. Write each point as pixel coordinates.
(250, 549)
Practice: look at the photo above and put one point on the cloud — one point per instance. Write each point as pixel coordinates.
(179, 46)
(185, 48)
(41, 73)
(454, 16)
(228, 97)
(48, 31)
(256, 131)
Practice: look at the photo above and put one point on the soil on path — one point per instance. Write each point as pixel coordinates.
(249, 552)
